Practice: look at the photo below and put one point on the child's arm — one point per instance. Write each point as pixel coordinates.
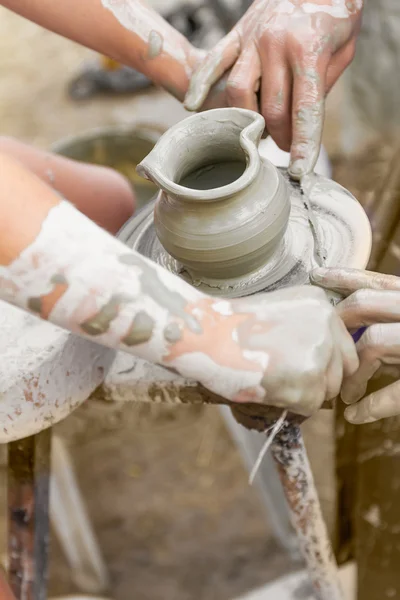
(287, 348)
(126, 30)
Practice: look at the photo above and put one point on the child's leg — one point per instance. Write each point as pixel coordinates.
(100, 193)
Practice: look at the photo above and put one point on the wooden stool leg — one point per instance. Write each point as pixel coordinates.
(298, 483)
(28, 515)
(250, 444)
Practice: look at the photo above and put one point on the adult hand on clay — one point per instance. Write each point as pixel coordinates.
(372, 300)
(286, 348)
(292, 52)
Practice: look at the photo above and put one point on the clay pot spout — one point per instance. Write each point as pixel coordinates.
(221, 135)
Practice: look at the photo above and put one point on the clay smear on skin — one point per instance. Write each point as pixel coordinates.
(126, 302)
(141, 20)
(156, 42)
(339, 9)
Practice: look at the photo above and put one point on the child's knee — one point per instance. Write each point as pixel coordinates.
(100, 192)
(122, 198)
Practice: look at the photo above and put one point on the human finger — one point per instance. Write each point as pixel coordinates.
(211, 69)
(347, 281)
(348, 349)
(378, 405)
(244, 80)
(276, 88)
(334, 374)
(308, 109)
(379, 344)
(366, 307)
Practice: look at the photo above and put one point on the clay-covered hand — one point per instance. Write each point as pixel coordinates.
(286, 348)
(373, 300)
(292, 52)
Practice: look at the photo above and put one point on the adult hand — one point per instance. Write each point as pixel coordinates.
(373, 300)
(289, 53)
(286, 348)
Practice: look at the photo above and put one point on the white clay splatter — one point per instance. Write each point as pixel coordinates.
(156, 42)
(138, 18)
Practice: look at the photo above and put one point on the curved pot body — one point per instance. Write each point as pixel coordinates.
(222, 209)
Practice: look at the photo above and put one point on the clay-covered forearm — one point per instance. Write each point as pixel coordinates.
(58, 264)
(128, 31)
(62, 267)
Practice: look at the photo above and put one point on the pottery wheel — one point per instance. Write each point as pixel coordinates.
(336, 232)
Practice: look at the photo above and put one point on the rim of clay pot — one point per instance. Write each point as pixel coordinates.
(248, 140)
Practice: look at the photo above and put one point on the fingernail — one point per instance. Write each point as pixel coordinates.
(189, 102)
(194, 102)
(352, 416)
(318, 275)
(195, 96)
(356, 415)
(298, 168)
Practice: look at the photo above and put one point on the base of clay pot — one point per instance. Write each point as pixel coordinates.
(343, 238)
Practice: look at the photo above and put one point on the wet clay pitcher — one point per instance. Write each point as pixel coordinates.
(231, 223)
(222, 209)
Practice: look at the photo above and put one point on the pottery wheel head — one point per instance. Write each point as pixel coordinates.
(343, 234)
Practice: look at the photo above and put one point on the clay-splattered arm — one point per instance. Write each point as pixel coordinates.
(285, 56)
(127, 30)
(286, 349)
(373, 300)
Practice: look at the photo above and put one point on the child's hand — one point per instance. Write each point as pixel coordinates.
(285, 348)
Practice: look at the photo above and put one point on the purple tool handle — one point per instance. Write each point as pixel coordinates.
(356, 336)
